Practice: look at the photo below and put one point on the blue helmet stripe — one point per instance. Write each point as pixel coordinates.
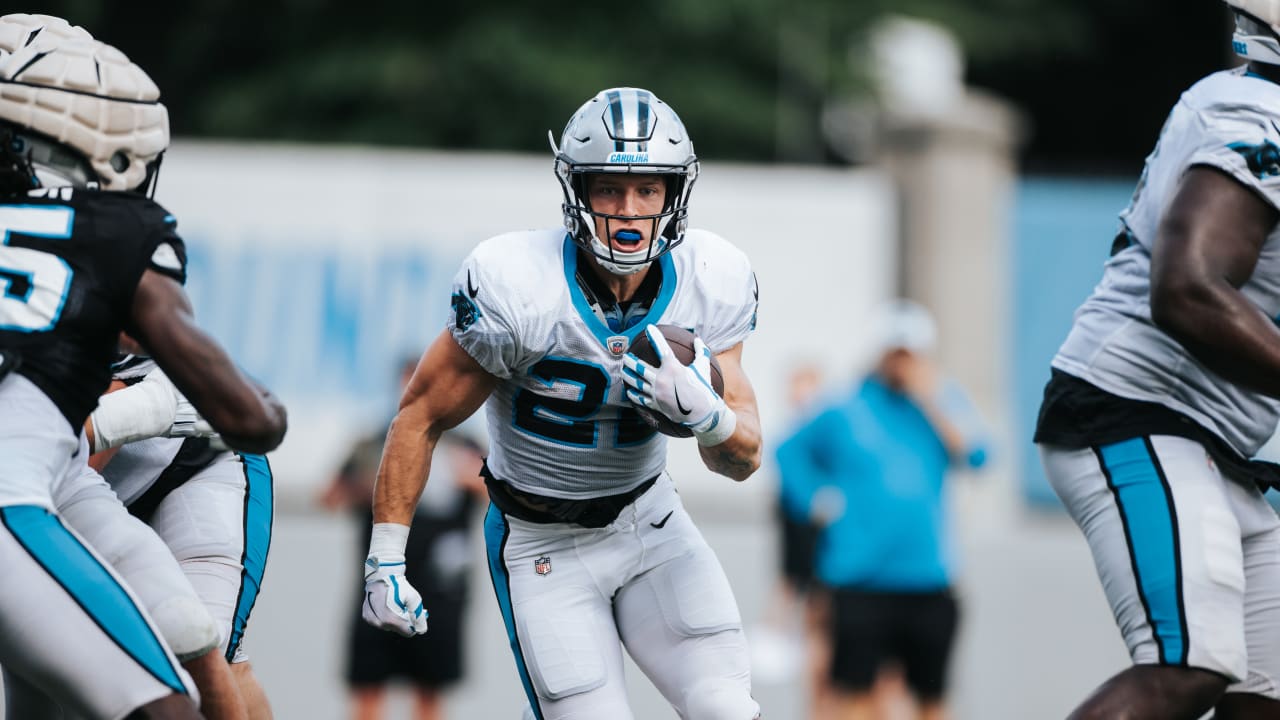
(630, 118)
(615, 110)
(643, 118)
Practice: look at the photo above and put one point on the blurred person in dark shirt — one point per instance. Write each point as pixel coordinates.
(438, 559)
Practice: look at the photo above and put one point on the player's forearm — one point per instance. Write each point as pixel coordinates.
(1226, 332)
(402, 474)
(99, 460)
(738, 456)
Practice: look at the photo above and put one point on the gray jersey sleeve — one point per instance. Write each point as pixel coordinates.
(1244, 143)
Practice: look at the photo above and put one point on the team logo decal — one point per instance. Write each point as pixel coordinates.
(542, 565)
(617, 344)
(465, 312)
(1263, 159)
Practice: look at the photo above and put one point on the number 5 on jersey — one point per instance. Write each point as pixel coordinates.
(33, 283)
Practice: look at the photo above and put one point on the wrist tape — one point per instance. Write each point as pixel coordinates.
(137, 412)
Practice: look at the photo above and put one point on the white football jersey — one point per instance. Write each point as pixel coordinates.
(1228, 121)
(559, 424)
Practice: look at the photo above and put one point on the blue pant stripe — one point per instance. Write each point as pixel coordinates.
(92, 587)
(495, 540)
(259, 499)
(1151, 529)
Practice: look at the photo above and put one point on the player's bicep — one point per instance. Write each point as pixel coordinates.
(1214, 229)
(447, 387)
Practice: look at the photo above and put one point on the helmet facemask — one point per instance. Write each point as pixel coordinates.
(625, 131)
(45, 162)
(17, 176)
(666, 227)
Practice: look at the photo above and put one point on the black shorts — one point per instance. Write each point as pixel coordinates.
(799, 547)
(872, 629)
(433, 660)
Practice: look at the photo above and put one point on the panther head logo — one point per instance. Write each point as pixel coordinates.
(465, 312)
(1263, 159)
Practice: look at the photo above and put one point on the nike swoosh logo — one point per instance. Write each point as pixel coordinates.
(472, 290)
(663, 522)
(680, 407)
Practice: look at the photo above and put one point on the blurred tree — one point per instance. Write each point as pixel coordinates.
(750, 77)
(1099, 90)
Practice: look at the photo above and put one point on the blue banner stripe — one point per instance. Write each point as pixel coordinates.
(642, 111)
(92, 587)
(259, 501)
(1151, 529)
(495, 541)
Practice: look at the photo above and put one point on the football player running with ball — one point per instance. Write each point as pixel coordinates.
(589, 547)
(1164, 390)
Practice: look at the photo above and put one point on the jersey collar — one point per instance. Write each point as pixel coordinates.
(601, 331)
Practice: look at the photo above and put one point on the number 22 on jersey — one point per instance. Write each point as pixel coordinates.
(33, 283)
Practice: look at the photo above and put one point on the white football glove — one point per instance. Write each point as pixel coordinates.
(682, 393)
(390, 602)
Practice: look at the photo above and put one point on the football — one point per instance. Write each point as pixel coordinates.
(681, 342)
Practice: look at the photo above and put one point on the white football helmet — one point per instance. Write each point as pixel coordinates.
(1257, 34)
(625, 130)
(76, 110)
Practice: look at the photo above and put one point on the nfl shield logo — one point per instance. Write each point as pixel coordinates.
(542, 565)
(617, 344)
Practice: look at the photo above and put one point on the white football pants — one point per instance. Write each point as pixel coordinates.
(1189, 559)
(573, 597)
(69, 625)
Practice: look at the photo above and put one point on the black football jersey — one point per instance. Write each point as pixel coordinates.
(70, 262)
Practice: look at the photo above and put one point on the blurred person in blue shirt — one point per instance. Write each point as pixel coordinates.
(870, 469)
